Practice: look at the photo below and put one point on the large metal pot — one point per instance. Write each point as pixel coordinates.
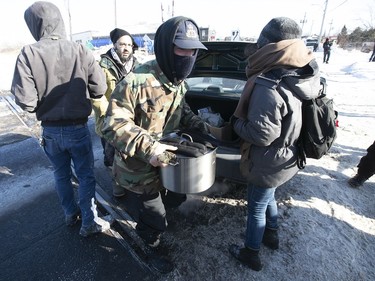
(191, 174)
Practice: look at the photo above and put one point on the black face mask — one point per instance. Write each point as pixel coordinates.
(183, 65)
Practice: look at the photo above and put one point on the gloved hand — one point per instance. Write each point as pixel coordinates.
(168, 157)
(100, 106)
(233, 120)
(203, 128)
(157, 160)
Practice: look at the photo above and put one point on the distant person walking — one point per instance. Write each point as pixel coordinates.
(55, 78)
(327, 50)
(372, 58)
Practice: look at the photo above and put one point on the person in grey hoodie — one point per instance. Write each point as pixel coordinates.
(55, 79)
(268, 118)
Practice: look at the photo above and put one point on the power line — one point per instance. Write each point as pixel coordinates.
(339, 5)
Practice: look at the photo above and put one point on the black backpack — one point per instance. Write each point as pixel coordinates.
(318, 122)
(318, 131)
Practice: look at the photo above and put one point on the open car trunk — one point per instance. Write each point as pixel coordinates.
(216, 83)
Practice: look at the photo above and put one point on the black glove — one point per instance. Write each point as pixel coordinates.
(187, 148)
(203, 128)
(233, 119)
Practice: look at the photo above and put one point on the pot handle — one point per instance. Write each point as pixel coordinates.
(187, 136)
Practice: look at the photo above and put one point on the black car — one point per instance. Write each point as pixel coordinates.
(312, 44)
(214, 88)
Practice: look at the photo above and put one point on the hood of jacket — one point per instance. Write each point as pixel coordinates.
(164, 46)
(304, 82)
(44, 20)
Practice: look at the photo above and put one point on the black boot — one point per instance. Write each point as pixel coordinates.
(246, 256)
(271, 238)
(356, 181)
(151, 239)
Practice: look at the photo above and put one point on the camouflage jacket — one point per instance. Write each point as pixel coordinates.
(143, 107)
(113, 74)
(113, 71)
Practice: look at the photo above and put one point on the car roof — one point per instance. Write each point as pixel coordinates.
(226, 59)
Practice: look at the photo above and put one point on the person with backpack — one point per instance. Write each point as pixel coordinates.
(366, 168)
(281, 74)
(116, 63)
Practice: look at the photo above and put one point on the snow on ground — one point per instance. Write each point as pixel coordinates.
(327, 229)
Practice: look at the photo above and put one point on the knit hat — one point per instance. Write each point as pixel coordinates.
(187, 36)
(279, 29)
(117, 33)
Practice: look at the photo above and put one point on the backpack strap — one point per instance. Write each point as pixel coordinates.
(267, 82)
(273, 83)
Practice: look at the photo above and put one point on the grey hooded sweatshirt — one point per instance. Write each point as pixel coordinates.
(54, 77)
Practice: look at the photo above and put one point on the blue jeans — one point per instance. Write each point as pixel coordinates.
(326, 56)
(262, 213)
(66, 144)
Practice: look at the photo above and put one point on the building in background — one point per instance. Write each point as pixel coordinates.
(145, 41)
(93, 40)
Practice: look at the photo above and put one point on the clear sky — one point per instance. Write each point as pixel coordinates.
(223, 16)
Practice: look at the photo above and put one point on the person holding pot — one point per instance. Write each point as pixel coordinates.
(146, 105)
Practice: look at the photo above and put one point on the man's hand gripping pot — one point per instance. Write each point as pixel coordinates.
(162, 156)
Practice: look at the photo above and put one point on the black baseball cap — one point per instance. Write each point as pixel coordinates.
(187, 36)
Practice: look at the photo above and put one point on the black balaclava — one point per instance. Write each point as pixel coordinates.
(164, 49)
(183, 65)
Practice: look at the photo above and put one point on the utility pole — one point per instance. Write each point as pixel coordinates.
(324, 16)
(115, 13)
(170, 11)
(330, 27)
(70, 22)
(162, 12)
(303, 23)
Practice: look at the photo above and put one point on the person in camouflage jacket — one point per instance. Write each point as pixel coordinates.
(116, 63)
(119, 60)
(146, 105)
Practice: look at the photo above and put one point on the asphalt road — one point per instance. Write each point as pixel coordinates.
(35, 242)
